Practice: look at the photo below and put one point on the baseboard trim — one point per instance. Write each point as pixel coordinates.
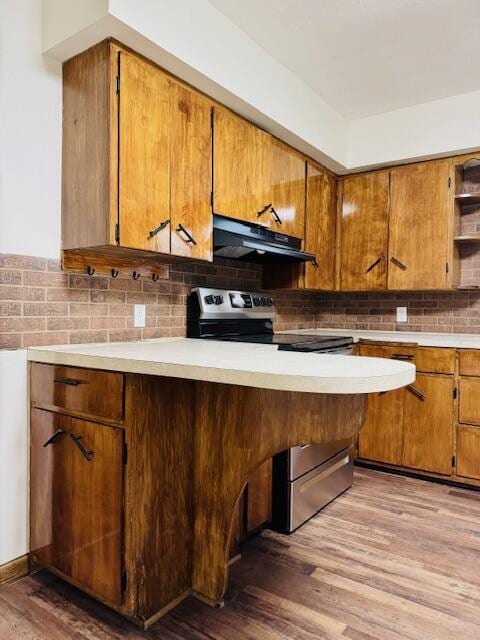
(14, 570)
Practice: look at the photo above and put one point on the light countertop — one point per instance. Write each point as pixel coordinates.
(454, 340)
(250, 365)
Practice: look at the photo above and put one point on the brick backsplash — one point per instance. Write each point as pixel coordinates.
(437, 311)
(40, 304)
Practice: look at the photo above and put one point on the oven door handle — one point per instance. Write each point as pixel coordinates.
(326, 472)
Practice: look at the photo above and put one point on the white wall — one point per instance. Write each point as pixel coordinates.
(443, 127)
(13, 455)
(30, 134)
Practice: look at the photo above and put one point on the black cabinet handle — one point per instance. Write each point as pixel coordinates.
(314, 262)
(374, 264)
(86, 453)
(264, 210)
(53, 438)
(70, 382)
(402, 356)
(275, 215)
(189, 238)
(161, 226)
(416, 392)
(398, 264)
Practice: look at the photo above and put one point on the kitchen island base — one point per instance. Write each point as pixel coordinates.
(133, 497)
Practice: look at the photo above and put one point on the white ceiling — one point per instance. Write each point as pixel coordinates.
(366, 57)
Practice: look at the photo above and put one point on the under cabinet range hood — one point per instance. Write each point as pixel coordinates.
(254, 243)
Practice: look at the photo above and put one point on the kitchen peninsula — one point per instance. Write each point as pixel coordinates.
(140, 452)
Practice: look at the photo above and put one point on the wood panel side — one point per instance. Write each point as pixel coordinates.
(158, 492)
(86, 149)
(320, 228)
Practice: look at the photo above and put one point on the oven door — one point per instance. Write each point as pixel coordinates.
(316, 489)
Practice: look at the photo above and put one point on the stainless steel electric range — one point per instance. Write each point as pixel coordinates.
(308, 477)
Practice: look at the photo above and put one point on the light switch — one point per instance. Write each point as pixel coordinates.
(138, 315)
(402, 314)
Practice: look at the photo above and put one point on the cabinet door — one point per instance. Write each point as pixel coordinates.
(75, 503)
(419, 223)
(144, 150)
(364, 232)
(320, 228)
(288, 189)
(241, 171)
(191, 175)
(428, 440)
(381, 437)
(468, 452)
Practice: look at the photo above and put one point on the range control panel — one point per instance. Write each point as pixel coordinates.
(224, 303)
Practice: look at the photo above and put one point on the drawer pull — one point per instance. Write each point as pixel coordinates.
(402, 356)
(189, 238)
(275, 215)
(264, 210)
(374, 264)
(70, 382)
(53, 438)
(416, 392)
(86, 453)
(160, 227)
(398, 264)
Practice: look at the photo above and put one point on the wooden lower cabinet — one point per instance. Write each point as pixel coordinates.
(412, 427)
(428, 424)
(76, 498)
(381, 438)
(468, 452)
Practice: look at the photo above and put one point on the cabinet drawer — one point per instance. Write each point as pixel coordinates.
(435, 360)
(468, 452)
(396, 352)
(469, 406)
(82, 391)
(469, 362)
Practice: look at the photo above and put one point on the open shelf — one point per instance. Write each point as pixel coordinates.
(468, 237)
(468, 198)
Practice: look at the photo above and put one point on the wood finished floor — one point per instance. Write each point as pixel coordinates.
(392, 559)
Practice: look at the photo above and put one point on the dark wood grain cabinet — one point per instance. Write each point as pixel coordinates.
(137, 158)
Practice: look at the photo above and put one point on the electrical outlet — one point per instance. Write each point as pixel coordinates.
(402, 314)
(139, 315)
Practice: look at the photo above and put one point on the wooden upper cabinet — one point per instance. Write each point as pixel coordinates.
(288, 189)
(241, 169)
(137, 157)
(144, 167)
(420, 218)
(191, 175)
(320, 228)
(364, 232)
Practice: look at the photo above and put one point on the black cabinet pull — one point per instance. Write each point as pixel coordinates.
(86, 453)
(398, 264)
(374, 264)
(53, 438)
(70, 382)
(275, 215)
(314, 262)
(161, 226)
(416, 392)
(264, 210)
(402, 356)
(189, 238)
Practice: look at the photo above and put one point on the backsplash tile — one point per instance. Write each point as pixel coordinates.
(41, 305)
